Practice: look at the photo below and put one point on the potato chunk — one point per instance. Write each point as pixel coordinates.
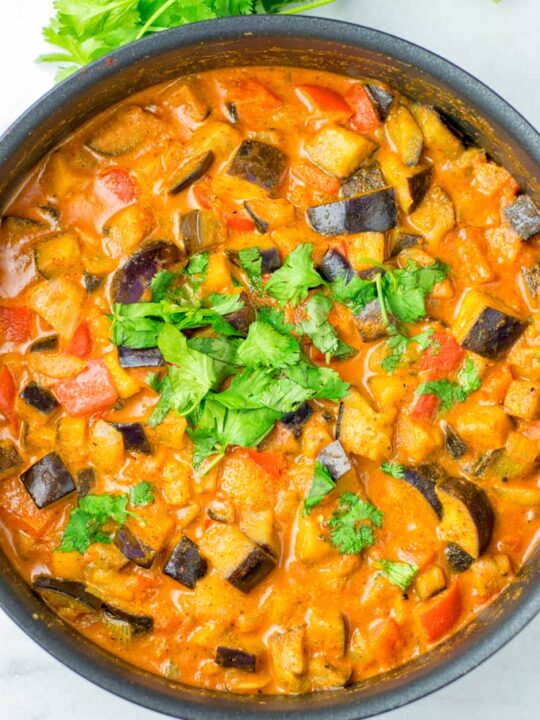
(364, 431)
(523, 400)
(338, 151)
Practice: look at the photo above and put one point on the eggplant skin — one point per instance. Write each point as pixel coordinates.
(271, 260)
(134, 277)
(493, 332)
(368, 178)
(233, 658)
(185, 564)
(134, 437)
(137, 358)
(259, 163)
(260, 225)
(524, 217)
(474, 501)
(46, 344)
(382, 99)
(132, 548)
(403, 241)
(48, 480)
(295, 421)
(370, 322)
(334, 458)
(424, 479)
(86, 480)
(39, 398)
(419, 183)
(372, 212)
(486, 460)
(253, 569)
(458, 559)
(531, 275)
(333, 265)
(66, 593)
(92, 282)
(10, 459)
(193, 171)
(242, 319)
(454, 444)
(139, 624)
(339, 420)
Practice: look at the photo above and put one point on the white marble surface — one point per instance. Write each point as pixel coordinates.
(499, 44)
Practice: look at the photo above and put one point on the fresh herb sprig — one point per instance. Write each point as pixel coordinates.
(450, 393)
(352, 524)
(400, 574)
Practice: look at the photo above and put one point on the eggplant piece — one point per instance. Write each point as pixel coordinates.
(370, 322)
(382, 99)
(39, 398)
(192, 171)
(259, 163)
(417, 185)
(372, 212)
(86, 480)
(334, 265)
(242, 319)
(334, 458)
(48, 480)
(234, 658)
(405, 134)
(66, 594)
(493, 332)
(261, 225)
(368, 178)
(232, 113)
(271, 260)
(401, 241)
(10, 459)
(221, 511)
(132, 279)
(468, 516)
(252, 570)
(454, 444)
(371, 273)
(92, 282)
(132, 548)
(424, 479)
(136, 624)
(45, 344)
(140, 357)
(486, 460)
(339, 420)
(202, 229)
(524, 217)
(531, 275)
(186, 564)
(295, 421)
(458, 559)
(134, 438)
(124, 131)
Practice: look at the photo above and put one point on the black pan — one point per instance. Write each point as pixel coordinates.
(305, 42)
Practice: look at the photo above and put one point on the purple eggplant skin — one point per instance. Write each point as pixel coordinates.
(524, 217)
(458, 559)
(372, 212)
(271, 260)
(139, 624)
(134, 277)
(382, 99)
(333, 265)
(66, 593)
(92, 282)
(201, 230)
(334, 458)
(531, 275)
(134, 438)
(192, 172)
(242, 319)
(493, 332)
(424, 479)
(454, 444)
(295, 421)
(370, 322)
(39, 398)
(10, 459)
(86, 480)
(48, 480)
(261, 225)
(46, 344)
(368, 178)
(132, 548)
(371, 273)
(486, 460)
(185, 564)
(137, 358)
(253, 569)
(475, 502)
(232, 658)
(419, 183)
(232, 113)
(339, 420)
(402, 241)
(259, 163)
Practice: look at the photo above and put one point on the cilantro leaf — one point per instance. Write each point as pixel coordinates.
(449, 392)
(393, 469)
(355, 293)
(326, 382)
(141, 494)
(405, 289)
(399, 344)
(353, 523)
(291, 282)
(266, 347)
(276, 319)
(322, 485)
(87, 521)
(161, 283)
(400, 574)
(469, 377)
(251, 261)
(320, 331)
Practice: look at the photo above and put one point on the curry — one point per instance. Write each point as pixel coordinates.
(270, 380)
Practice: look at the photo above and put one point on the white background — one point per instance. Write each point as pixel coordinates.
(499, 43)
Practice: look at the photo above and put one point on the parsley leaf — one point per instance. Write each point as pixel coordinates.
(393, 469)
(266, 347)
(449, 392)
(352, 524)
(322, 334)
(322, 485)
(291, 282)
(400, 574)
(87, 521)
(251, 261)
(141, 494)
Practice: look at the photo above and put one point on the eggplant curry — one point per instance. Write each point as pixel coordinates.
(270, 380)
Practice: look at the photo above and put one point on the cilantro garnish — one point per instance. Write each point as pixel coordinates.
(353, 523)
(267, 347)
(399, 344)
(87, 522)
(161, 284)
(450, 393)
(322, 485)
(393, 469)
(400, 574)
(405, 289)
(320, 331)
(141, 494)
(251, 261)
(291, 282)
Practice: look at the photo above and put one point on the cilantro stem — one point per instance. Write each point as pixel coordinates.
(303, 8)
(166, 5)
(378, 285)
(212, 464)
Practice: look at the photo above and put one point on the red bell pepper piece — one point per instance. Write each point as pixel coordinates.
(324, 100)
(425, 407)
(7, 395)
(443, 356)
(81, 342)
(316, 179)
(366, 117)
(442, 614)
(89, 391)
(21, 511)
(121, 184)
(14, 324)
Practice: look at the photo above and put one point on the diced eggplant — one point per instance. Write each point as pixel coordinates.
(458, 559)
(454, 444)
(137, 624)
(10, 459)
(405, 134)
(202, 229)
(333, 265)
(259, 163)
(58, 255)
(424, 479)
(334, 458)
(271, 260)
(234, 658)
(417, 186)
(338, 151)
(366, 179)
(221, 511)
(531, 275)
(186, 564)
(39, 398)
(134, 438)
(232, 113)
(524, 217)
(66, 594)
(486, 460)
(192, 171)
(48, 480)
(382, 99)
(132, 279)
(45, 344)
(132, 548)
(295, 421)
(124, 131)
(140, 357)
(371, 273)
(252, 570)
(440, 131)
(468, 516)
(86, 480)
(92, 282)
(242, 319)
(372, 212)
(339, 419)
(370, 322)
(261, 225)
(400, 241)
